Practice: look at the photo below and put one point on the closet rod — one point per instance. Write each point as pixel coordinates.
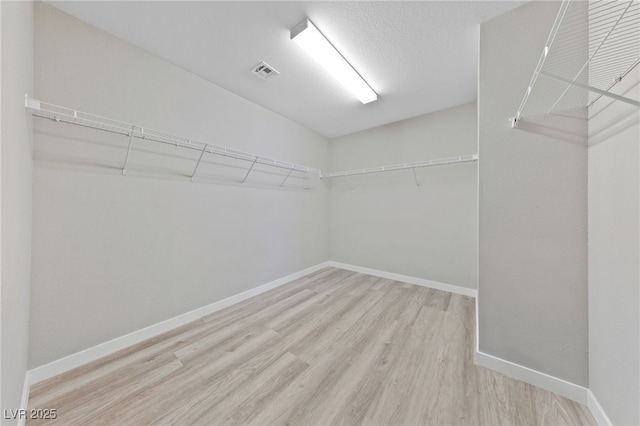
(58, 113)
(405, 166)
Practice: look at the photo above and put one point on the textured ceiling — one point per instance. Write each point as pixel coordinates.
(418, 56)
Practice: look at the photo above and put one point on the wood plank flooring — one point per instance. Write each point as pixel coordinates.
(333, 348)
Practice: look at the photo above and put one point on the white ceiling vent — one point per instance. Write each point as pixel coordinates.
(265, 71)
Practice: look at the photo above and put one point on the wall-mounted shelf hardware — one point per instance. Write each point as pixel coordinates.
(592, 46)
(403, 166)
(66, 115)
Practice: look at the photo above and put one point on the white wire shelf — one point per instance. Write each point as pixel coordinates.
(592, 46)
(62, 114)
(58, 113)
(404, 166)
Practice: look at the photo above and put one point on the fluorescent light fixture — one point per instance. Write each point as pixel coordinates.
(311, 39)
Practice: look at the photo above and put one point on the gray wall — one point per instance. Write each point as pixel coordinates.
(614, 254)
(113, 254)
(389, 223)
(533, 210)
(16, 23)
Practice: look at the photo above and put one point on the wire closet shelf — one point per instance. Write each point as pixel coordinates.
(404, 166)
(62, 114)
(592, 46)
(67, 115)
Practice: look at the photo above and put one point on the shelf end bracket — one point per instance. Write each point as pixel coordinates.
(31, 103)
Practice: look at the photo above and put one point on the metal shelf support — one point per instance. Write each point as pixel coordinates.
(249, 171)
(591, 88)
(286, 177)
(195, 170)
(126, 160)
(415, 176)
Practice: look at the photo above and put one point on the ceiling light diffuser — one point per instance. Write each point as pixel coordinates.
(315, 44)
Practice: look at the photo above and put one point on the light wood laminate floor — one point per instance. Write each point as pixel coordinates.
(332, 348)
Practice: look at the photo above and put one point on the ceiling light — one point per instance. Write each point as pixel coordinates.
(313, 42)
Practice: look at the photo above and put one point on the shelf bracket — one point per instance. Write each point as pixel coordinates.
(249, 171)
(204, 149)
(349, 182)
(286, 177)
(415, 176)
(126, 160)
(591, 88)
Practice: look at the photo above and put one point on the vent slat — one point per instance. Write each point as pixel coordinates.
(264, 71)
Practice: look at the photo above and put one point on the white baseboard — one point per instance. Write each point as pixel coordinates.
(77, 359)
(476, 343)
(407, 279)
(597, 411)
(516, 371)
(542, 380)
(24, 401)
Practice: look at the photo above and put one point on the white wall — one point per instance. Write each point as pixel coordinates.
(533, 210)
(16, 24)
(113, 254)
(388, 223)
(614, 254)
